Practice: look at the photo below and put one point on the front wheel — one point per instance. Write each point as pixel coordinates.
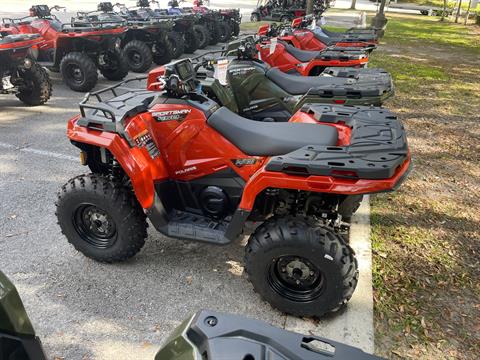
(139, 56)
(300, 266)
(202, 35)
(79, 71)
(190, 40)
(224, 32)
(101, 218)
(114, 65)
(37, 87)
(177, 44)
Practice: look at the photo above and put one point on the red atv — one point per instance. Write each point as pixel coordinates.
(199, 171)
(19, 74)
(77, 51)
(309, 37)
(289, 59)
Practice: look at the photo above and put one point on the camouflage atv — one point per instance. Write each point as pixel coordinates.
(205, 335)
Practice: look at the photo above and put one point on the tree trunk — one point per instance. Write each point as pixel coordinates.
(354, 3)
(468, 12)
(309, 7)
(444, 10)
(458, 11)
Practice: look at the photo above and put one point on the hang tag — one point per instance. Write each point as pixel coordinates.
(323, 21)
(221, 71)
(273, 45)
(313, 25)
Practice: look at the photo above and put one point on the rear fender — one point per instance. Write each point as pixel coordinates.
(139, 166)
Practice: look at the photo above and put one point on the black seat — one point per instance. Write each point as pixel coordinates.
(299, 54)
(300, 85)
(256, 138)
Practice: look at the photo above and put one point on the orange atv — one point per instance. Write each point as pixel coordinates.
(19, 74)
(77, 51)
(198, 171)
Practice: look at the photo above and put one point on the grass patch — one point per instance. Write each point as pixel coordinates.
(425, 236)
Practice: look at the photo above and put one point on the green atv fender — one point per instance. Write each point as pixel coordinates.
(17, 336)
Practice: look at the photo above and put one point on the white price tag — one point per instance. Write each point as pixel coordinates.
(6, 84)
(273, 45)
(221, 71)
(323, 21)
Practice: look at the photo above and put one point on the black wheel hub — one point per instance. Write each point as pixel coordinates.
(95, 226)
(296, 278)
(135, 58)
(76, 74)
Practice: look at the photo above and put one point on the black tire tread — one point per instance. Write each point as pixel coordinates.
(42, 90)
(144, 50)
(134, 225)
(308, 232)
(90, 69)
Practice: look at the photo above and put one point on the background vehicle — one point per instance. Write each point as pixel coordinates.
(20, 75)
(144, 41)
(78, 52)
(204, 332)
(199, 171)
(277, 10)
(291, 60)
(257, 91)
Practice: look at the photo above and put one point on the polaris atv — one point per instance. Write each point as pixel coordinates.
(233, 19)
(181, 36)
(78, 52)
(276, 10)
(254, 90)
(314, 38)
(19, 74)
(199, 172)
(211, 20)
(229, 19)
(144, 41)
(214, 335)
(289, 59)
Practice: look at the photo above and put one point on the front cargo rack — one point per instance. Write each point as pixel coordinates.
(99, 113)
(378, 146)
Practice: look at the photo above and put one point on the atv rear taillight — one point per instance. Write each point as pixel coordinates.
(339, 101)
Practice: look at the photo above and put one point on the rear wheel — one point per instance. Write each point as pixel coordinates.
(101, 218)
(79, 71)
(138, 55)
(37, 88)
(115, 65)
(224, 31)
(202, 35)
(214, 34)
(177, 44)
(300, 266)
(235, 28)
(190, 40)
(162, 52)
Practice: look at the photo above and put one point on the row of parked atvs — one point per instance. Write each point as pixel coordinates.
(258, 133)
(113, 39)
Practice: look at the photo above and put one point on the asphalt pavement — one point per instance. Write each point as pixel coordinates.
(85, 310)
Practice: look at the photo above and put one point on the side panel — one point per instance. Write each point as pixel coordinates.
(192, 149)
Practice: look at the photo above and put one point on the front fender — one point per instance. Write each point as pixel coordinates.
(142, 170)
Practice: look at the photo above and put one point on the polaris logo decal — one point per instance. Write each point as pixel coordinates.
(186, 170)
(242, 71)
(243, 162)
(170, 115)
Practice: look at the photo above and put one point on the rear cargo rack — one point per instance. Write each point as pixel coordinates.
(378, 146)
